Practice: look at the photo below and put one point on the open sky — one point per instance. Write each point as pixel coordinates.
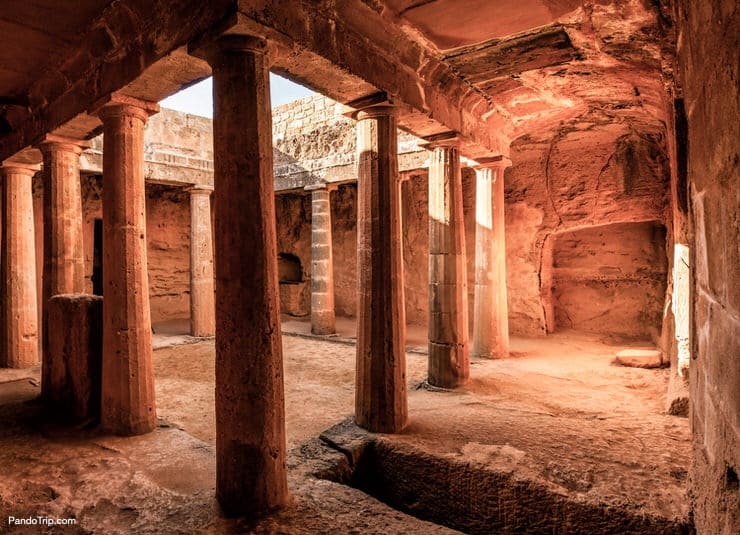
(198, 99)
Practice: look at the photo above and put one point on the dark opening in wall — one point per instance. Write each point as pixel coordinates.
(682, 154)
(731, 479)
(289, 269)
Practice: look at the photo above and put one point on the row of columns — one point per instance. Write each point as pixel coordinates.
(128, 389)
(250, 413)
(449, 347)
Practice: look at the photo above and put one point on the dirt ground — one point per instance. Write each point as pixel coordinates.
(557, 411)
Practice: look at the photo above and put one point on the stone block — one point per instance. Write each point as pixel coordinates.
(74, 358)
(640, 358)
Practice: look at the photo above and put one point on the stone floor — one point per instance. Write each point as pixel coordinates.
(558, 413)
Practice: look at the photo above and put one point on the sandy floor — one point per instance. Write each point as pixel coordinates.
(557, 411)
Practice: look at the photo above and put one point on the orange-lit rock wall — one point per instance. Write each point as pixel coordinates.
(586, 247)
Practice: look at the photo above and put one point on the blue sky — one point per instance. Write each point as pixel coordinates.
(198, 100)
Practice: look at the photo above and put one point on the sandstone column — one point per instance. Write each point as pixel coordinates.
(449, 360)
(20, 345)
(491, 322)
(64, 257)
(250, 412)
(322, 261)
(202, 307)
(127, 393)
(380, 390)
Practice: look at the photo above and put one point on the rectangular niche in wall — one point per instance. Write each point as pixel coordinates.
(610, 279)
(293, 299)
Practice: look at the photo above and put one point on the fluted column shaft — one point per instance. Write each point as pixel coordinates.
(20, 343)
(64, 257)
(323, 320)
(380, 394)
(490, 322)
(127, 404)
(250, 406)
(202, 299)
(449, 361)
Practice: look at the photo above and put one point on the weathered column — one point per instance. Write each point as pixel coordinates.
(322, 261)
(74, 348)
(127, 393)
(20, 343)
(202, 307)
(250, 406)
(491, 321)
(449, 359)
(380, 390)
(64, 257)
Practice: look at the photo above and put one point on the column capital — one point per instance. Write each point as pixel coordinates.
(212, 49)
(445, 140)
(494, 162)
(120, 105)
(52, 141)
(200, 189)
(21, 168)
(371, 106)
(322, 186)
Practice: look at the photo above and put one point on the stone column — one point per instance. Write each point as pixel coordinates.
(250, 406)
(127, 393)
(491, 321)
(380, 390)
(20, 342)
(449, 359)
(322, 261)
(64, 257)
(202, 307)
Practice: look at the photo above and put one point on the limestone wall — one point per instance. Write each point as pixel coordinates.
(168, 238)
(708, 44)
(313, 143)
(178, 150)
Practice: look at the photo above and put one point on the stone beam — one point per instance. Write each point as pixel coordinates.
(124, 50)
(488, 64)
(366, 48)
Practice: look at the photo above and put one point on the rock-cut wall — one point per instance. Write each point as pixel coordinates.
(586, 206)
(709, 71)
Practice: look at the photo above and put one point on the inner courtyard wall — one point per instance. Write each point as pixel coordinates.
(168, 239)
(591, 172)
